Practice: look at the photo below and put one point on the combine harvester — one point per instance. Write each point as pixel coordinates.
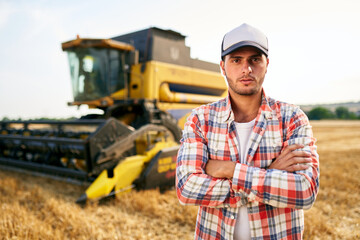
(146, 84)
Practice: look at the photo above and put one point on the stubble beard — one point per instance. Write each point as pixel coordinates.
(243, 92)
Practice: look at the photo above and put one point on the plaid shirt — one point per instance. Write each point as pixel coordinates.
(275, 199)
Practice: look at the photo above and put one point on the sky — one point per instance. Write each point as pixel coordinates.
(314, 48)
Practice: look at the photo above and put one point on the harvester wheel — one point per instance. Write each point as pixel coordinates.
(170, 123)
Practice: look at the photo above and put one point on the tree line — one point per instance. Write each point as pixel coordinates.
(319, 113)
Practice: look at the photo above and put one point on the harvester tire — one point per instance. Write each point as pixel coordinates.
(170, 123)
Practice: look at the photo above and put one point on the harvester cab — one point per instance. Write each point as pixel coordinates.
(146, 84)
(99, 70)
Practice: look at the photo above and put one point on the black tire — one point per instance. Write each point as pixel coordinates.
(170, 123)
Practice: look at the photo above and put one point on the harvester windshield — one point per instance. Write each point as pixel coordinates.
(97, 72)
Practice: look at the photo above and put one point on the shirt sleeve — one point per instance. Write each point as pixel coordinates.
(193, 185)
(280, 188)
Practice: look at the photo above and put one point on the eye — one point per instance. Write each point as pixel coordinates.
(235, 60)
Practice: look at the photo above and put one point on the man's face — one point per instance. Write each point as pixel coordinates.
(245, 70)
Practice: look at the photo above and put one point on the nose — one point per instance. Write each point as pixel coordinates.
(246, 69)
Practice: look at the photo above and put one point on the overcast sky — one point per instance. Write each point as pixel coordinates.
(313, 45)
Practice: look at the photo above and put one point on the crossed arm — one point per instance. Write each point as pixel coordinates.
(214, 183)
(289, 160)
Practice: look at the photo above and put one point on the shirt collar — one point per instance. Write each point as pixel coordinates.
(265, 108)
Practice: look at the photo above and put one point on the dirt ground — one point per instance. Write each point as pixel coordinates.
(40, 208)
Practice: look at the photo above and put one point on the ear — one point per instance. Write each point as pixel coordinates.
(222, 66)
(267, 64)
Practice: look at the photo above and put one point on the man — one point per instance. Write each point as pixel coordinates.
(248, 161)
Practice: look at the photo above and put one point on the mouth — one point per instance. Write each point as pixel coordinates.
(246, 81)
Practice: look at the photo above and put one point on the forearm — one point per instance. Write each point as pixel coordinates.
(278, 188)
(195, 187)
(203, 190)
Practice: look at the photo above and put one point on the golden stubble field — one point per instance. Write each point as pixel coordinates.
(40, 208)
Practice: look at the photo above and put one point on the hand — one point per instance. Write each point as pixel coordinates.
(290, 160)
(220, 169)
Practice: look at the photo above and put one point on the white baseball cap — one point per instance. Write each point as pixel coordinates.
(244, 35)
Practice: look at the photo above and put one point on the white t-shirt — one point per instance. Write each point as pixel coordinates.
(242, 226)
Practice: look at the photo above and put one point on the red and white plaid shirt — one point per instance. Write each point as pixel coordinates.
(275, 199)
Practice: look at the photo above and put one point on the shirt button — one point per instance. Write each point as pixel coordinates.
(232, 217)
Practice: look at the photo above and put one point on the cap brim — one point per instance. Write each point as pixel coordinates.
(244, 44)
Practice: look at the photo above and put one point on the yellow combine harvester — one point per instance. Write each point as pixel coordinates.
(146, 84)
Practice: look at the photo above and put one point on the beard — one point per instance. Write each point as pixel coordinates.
(247, 90)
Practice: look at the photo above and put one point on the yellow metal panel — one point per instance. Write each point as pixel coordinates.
(157, 73)
(129, 170)
(138, 82)
(170, 73)
(119, 95)
(125, 173)
(102, 186)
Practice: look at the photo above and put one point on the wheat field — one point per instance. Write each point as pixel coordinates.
(40, 208)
